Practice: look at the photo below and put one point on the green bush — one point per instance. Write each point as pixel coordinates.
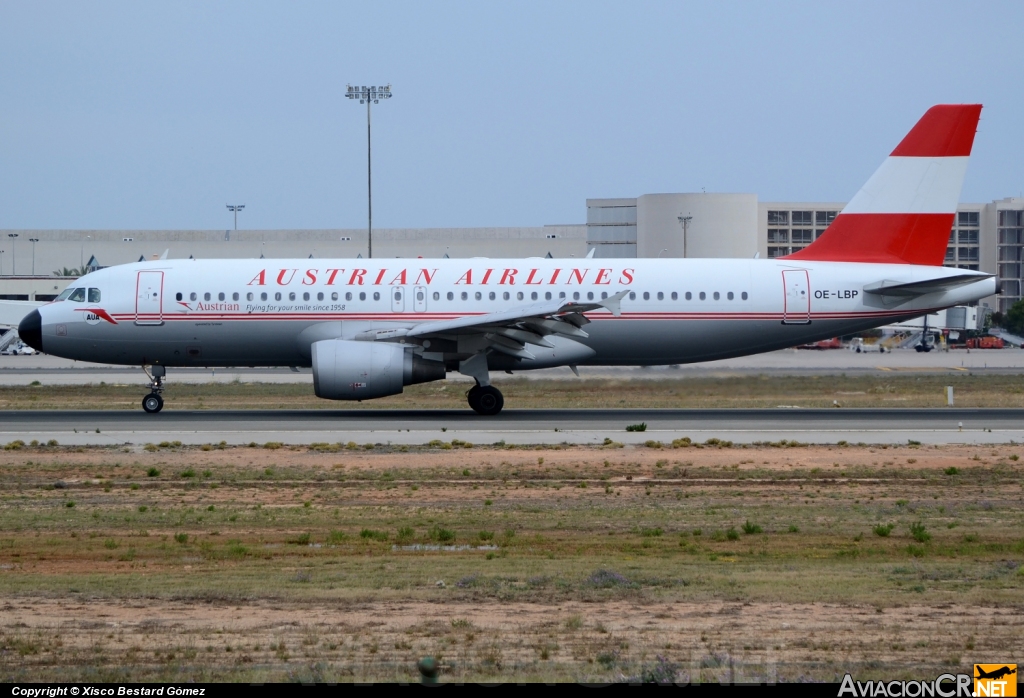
(370, 534)
(751, 528)
(917, 530)
(732, 534)
(642, 426)
(883, 530)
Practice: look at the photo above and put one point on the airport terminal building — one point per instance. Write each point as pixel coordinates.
(38, 264)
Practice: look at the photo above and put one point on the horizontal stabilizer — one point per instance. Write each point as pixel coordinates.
(921, 288)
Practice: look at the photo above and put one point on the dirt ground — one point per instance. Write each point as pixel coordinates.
(699, 563)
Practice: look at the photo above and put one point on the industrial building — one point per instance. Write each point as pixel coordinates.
(38, 264)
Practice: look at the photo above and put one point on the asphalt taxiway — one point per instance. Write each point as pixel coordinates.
(512, 426)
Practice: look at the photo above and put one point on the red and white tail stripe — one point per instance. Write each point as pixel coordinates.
(904, 213)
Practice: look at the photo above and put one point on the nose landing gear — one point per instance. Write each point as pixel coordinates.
(485, 400)
(154, 402)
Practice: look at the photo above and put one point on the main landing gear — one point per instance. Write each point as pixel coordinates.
(154, 402)
(485, 400)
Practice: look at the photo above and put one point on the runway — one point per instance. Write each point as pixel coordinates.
(414, 427)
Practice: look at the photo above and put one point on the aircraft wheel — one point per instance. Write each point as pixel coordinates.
(153, 403)
(489, 401)
(473, 397)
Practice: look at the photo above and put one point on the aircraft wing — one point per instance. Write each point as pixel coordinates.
(509, 331)
(921, 288)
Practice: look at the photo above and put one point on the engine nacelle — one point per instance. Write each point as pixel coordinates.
(349, 370)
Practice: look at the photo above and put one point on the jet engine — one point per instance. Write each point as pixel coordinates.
(352, 370)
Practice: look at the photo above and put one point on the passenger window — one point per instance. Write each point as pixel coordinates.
(248, 296)
(192, 296)
(451, 296)
(221, 296)
(491, 296)
(376, 295)
(479, 296)
(519, 296)
(703, 295)
(78, 295)
(604, 294)
(575, 295)
(291, 296)
(590, 295)
(647, 296)
(277, 296)
(320, 296)
(465, 296)
(744, 295)
(533, 296)
(348, 296)
(305, 296)
(334, 296)
(661, 296)
(437, 296)
(729, 296)
(717, 295)
(398, 295)
(207, 296)
(675, 296)
(362, 295)
(94, 295)
(632, 295)
(505, 295)
(689, 296)
(420, 295)
(263, 296)
(547, 296)
(234, 296)
(561, 294)
(177, 296)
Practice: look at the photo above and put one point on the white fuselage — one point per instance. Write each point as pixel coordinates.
(268, 312)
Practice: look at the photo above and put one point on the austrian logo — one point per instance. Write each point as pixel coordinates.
(995, 680)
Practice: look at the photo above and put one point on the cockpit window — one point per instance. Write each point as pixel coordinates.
(78, 295)
(65, 293)
(94, 295)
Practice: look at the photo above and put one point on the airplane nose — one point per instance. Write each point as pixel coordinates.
(31, 330)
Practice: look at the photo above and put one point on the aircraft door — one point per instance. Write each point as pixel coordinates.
(419, 299)
(398, 299)
(149, 290)
(797, 301)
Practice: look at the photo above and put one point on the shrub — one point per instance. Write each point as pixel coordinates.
(606, 579)
(69, 505)
(336, 536)
(732, 534)
(951, 471)
(883, 530)
(143, 509)
(188, 472)
(642, 426)
(751, 528)
(181, 538)
(917, 530)
(650, 532)
(301, 539)
(371, 534)
(651, 443)
(486, 535)
(152, 472)
(442, 535)
(793, 528)
(405, 533)
(684, 442)
(273, 445)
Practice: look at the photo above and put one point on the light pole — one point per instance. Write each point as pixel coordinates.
(235, 208)
(14, 256)
(369, 94)
(685, 221)
(33, 241)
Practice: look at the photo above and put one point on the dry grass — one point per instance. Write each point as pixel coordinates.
(890, 390)
(299, 564)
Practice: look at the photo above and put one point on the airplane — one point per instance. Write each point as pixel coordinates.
(370, 327)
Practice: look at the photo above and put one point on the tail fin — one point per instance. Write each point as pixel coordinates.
(903, 215)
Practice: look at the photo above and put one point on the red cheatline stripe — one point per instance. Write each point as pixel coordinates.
(835, 315)
(882, 238)
(945, 130)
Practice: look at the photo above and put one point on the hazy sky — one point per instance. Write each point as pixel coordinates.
(155, 115)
